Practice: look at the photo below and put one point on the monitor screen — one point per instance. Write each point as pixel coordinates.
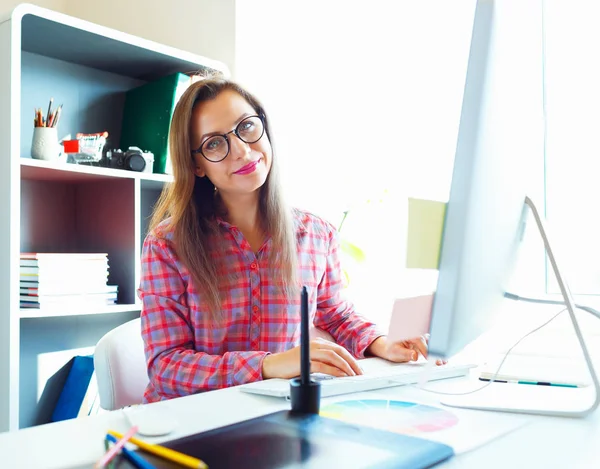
(499, 142)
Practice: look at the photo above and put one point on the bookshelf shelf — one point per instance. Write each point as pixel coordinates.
(40, 170)
(69, 39)
(81, 310)
(68, 208)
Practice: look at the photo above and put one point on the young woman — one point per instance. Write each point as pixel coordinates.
(225, 258)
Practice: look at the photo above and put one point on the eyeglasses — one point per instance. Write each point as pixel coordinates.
(216, 148)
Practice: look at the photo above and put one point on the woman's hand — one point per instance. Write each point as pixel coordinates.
(325, 357)
(400, 352)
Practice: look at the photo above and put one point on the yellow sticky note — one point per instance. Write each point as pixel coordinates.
(425, 228)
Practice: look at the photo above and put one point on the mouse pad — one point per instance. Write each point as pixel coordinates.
(284, 440)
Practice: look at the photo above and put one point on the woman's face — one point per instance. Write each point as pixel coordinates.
(247, 165)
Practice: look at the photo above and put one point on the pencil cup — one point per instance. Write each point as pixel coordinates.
(44, 145)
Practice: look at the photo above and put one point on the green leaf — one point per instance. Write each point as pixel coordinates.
(352, 250)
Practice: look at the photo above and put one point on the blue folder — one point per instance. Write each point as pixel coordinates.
(76, 386)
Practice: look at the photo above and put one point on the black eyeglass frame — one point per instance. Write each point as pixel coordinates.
(225, 136)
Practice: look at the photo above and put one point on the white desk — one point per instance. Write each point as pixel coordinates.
(543, 442)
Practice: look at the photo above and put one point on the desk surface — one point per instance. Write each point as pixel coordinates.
(541, 442)
(545, 442)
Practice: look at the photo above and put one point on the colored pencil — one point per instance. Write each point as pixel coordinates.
(165, 453)
(49, 113)
(111, 453)
(132, 456)
(57, 116)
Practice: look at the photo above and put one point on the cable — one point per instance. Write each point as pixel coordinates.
(497, 372)
(588, 309)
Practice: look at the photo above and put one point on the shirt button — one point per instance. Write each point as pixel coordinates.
(254, 266)
(255, 292)
(255, 309)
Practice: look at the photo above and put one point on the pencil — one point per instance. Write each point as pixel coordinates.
(111, 464)
(49, 113)
(51, 120)
(165, 453)
(57, 116)
(111, 453)
(132, 456)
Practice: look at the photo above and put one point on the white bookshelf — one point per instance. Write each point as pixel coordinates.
(69, 173)
(60, 207)
(79, 310)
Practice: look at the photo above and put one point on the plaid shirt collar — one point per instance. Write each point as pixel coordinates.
(299, 226)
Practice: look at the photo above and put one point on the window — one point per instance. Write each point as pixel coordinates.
(365, 99)
(572, 153)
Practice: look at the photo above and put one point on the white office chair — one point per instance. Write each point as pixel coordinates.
(120, 366)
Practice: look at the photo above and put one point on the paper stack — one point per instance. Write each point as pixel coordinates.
(65, 279)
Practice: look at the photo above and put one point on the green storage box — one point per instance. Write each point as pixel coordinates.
(147, 116)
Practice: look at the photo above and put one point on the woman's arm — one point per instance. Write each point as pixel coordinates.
(335, 314)
(175, 367)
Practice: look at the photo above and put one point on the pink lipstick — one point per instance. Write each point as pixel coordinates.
(247, 169)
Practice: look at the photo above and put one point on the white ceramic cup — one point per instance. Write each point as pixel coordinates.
(44, 145)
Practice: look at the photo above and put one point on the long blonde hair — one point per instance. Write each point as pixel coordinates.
(190, 205)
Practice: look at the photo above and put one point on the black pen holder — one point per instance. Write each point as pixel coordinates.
(306, 398)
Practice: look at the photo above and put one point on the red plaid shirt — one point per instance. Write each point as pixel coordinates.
(187, 352)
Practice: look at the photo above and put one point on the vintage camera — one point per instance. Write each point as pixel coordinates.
(133, 159)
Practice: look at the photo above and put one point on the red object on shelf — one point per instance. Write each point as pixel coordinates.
(71, 146)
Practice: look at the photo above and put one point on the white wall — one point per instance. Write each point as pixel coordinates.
(6, 6)
(204, 27)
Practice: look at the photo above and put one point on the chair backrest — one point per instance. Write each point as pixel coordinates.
(120, 366)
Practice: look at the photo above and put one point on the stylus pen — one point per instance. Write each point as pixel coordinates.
(304, 338)
(536, 383)
(132, 456)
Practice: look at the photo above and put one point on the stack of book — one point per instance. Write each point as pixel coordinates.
(65, 279)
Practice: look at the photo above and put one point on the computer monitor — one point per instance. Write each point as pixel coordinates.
(500, 143)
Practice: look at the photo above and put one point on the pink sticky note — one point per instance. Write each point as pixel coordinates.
(410, 317)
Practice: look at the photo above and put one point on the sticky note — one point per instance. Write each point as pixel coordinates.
(425, 228)
(410, 318)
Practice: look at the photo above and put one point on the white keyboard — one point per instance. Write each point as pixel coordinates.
(378, 374)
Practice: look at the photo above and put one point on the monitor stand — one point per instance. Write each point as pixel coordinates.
(540, 400)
